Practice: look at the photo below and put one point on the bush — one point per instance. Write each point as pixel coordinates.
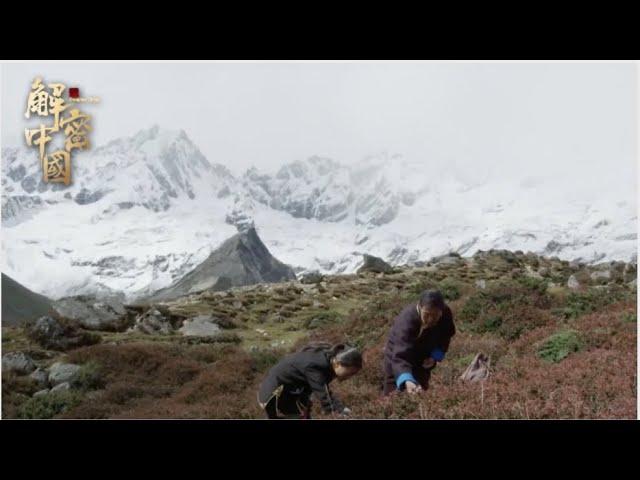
(222, 337)
(416, 288)
(321, 319)
(264, 359)
(512, 331)
(536, 285)
(59, 333)
(474, 307)
(369, 324)
(450, 289)
(559, 346)
(226, 323)
(491, 324)
(21, 384)
(580, 303)
(463, 362)
(49, 405)
(89, 377)
(507, 307)
(592, 300)
(629, 317)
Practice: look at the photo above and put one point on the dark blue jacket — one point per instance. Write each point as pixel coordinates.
(408, 345)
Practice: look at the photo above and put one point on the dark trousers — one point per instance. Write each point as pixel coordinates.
(288, 406)
(421, 374)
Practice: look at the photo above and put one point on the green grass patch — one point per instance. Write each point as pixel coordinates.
(89, 377)
(464, 362)
(265, 358)
(450, 289)
(559, 346)
(629, 317)
(49, 405)
(589, 301)
(321, 319)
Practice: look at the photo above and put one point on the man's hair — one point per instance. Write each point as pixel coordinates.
(344, 355)
(432, 299)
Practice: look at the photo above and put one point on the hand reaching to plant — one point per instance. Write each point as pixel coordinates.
(346, 413)
(412, 388)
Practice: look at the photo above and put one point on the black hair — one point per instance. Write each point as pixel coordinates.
(432, 299)
(344, 355)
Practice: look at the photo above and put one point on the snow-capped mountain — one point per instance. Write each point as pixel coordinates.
(144, 210)
(140, 211)
(404, 211)
(316, 188)
(152, 169)
(368, 193)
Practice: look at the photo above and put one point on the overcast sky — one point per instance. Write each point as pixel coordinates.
(510, 118)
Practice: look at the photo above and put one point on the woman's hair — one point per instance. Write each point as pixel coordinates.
(344, 355)
(432, 299)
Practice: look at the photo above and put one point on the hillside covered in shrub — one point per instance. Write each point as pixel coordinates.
(561, 338)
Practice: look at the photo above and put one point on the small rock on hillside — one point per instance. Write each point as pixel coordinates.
(17, 362)
(374, 264)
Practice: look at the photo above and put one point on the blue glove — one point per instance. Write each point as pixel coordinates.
(405, 377)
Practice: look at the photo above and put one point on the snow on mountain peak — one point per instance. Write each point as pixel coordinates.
(145, 209)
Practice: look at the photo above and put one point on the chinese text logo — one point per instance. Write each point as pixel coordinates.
(43, 102)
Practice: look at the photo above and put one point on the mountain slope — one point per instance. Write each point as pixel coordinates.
(241, 260)
(20, 304)
(543, 338)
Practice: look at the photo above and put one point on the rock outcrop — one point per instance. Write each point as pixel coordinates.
(56, 334)
(374, 264)
(107, 314)
(18, 363)
(241, 260)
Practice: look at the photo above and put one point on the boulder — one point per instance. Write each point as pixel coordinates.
(17, 362)
(374, 264)
(576, 264)
(629, 272)
(157, 320)
(543, 271)
(61, 387)
(107, 314)
(573, 283)
(311, 277)
(200, 326)
(57, 334)
(238, 305)
(481, 283)
(40, 393)
(62, 372)
(41, 377)
(451, 258)
(531, 273)
(601, 276)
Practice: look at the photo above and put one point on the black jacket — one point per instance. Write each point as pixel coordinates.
(302, 374)
(408, 346)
